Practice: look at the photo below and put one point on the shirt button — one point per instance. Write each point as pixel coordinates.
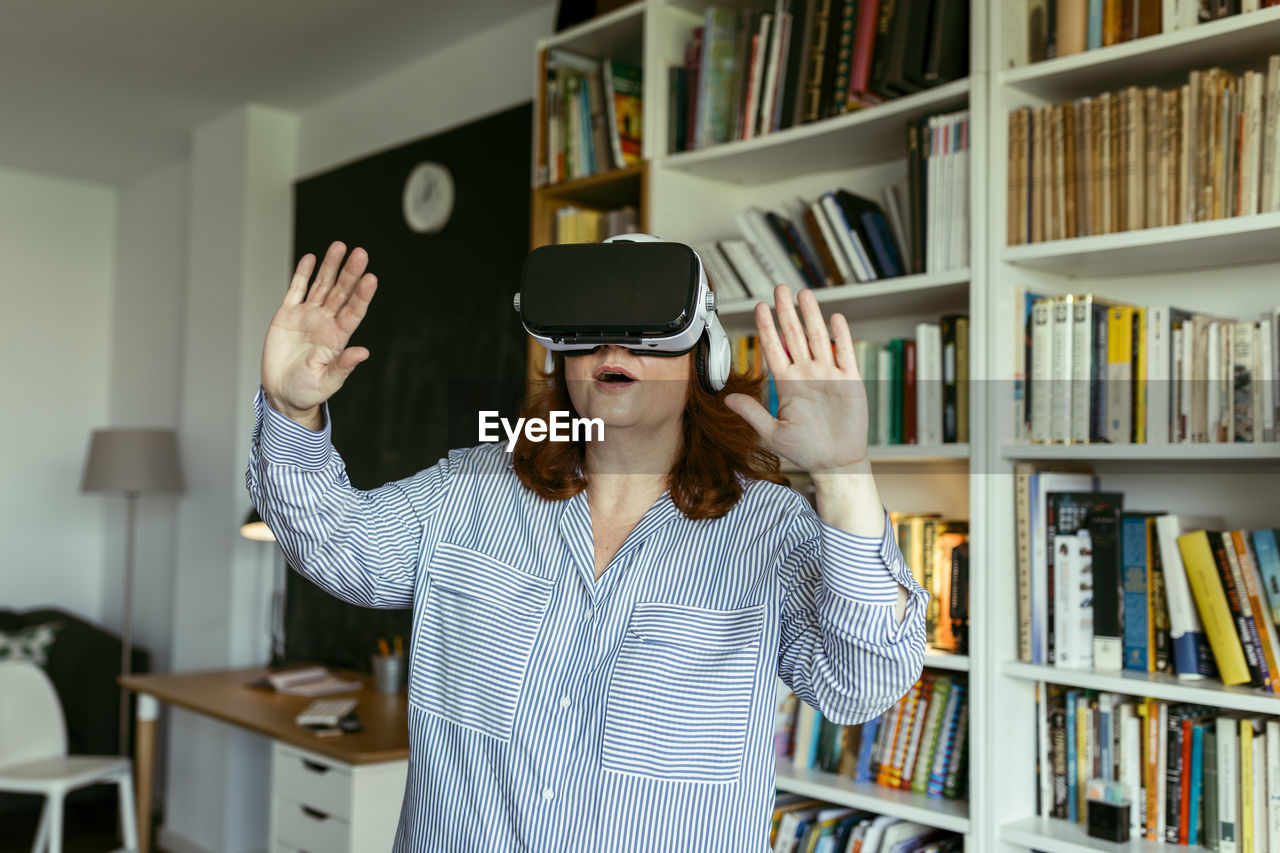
(586, 615)
(565, 701)
(547, 793)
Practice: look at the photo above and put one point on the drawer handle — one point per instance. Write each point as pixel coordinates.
(314, 766)
(314, 814)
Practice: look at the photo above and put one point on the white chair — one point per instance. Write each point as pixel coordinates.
(34, 760)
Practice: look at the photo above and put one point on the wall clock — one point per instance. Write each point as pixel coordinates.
(428, 198)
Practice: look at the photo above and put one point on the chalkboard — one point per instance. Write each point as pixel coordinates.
(444, 339)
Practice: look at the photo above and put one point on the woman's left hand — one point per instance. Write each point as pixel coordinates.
(822, 406)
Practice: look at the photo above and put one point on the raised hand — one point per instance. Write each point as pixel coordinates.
(305, 358)
(822, 406)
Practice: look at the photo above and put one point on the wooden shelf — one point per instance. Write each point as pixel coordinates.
(1255, 452)
(1157, 685)
(1194, 245)
(952, 815)
(609, 189)
(865, 136)
(910, 294)
(1150, 60)
(1053, 835)
(618, 34)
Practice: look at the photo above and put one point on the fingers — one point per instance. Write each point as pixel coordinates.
(789, 322)
(775, 357)
(844, 345)
(355, 266)
(757, 416)
(351, 356)
(357, 305)
(298, 284)
(327, 274)
(814, 328)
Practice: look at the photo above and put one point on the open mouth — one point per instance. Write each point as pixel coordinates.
(611, 375)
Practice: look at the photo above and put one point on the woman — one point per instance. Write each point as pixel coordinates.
(599, 628)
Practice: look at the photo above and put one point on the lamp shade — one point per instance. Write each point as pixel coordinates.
(255, 528)
(132, 460)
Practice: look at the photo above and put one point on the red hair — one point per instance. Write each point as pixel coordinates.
(717, 447)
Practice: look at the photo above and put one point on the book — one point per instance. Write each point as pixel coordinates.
(1211, 602)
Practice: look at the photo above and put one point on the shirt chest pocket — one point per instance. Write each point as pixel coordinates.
(474, 637)
(680, 698)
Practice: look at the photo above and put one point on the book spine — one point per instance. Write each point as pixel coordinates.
(1235, 600)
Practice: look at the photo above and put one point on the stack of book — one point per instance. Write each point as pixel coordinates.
(584, 225)
(919, 745)
(805, 825)
(1043, 29)
(917, 388)
(1111, 589)
(751, 72)
(1096, 370)
(1146, 157)
(590, 118)
(1195, 775)
(845, 238)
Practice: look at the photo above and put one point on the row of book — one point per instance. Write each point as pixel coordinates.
(1146, 157)
(1044, 29)
(752, 72)
(919, 745)
(1112, 589)
(917, 388)
(937, 552)
(590, 118)
(845, 238)
(803, 824)
(1195, 775)
(1096, 370)
(585, 225)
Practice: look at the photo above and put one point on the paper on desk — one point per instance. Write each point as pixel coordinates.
(310, 681)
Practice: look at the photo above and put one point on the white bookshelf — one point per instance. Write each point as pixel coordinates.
(930, 811)
(1220, 267)
(693, 196)
(1059, 836)
(911, 294)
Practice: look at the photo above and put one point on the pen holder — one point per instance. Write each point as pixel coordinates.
(388, 673)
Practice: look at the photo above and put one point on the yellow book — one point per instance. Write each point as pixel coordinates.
(1139, 347)
(1119, 374)
(1084, 766)
(1246, 786)
(1211, 602)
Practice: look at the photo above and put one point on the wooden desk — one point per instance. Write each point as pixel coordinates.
(226, 695)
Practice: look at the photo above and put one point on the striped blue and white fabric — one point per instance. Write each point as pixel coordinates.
(550, 711)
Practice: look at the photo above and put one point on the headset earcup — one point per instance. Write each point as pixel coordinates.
(711, 361)
(700, 364)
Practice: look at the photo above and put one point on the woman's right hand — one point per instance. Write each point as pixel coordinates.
(305, 358)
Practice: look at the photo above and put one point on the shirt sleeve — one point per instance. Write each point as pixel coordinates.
(842, 649)
(361, 546)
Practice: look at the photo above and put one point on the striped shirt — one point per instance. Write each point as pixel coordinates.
(551, 711)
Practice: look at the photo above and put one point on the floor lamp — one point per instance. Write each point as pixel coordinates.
(131, 462)
(256, 529)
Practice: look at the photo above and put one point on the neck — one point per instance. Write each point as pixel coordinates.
(632, 465)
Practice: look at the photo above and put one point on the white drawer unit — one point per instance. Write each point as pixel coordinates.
(319, 805)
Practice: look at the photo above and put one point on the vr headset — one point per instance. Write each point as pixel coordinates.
(633, 290)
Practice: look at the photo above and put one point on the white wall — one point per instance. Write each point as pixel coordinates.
(485, 73)
(57, 241)
(145, 366)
